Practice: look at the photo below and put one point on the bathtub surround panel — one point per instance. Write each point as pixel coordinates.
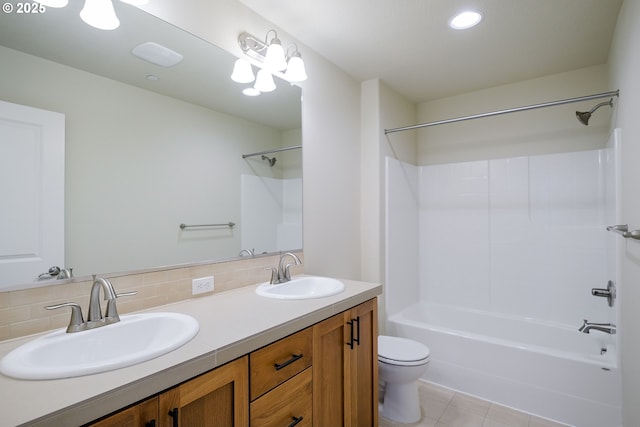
(454, 234)
(523, 236)
(402, 240)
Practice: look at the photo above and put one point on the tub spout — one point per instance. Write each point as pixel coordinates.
(586, 327)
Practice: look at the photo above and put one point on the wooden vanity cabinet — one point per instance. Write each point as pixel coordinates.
(143, 414)
(218, 398)
(345, 368)
(325, 375)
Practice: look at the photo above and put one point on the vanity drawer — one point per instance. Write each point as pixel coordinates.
(288, 404)
(274, 364)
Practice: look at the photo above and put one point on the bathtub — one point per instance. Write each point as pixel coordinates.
(546, 369)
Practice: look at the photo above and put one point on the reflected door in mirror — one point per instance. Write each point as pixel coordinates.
(32, 145)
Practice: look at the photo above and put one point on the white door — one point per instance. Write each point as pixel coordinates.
(32, 143)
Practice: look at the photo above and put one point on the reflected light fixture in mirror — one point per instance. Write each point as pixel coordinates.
(54, 3)
(242, 72)
(264, 81)
(100, 14)
(97, 13)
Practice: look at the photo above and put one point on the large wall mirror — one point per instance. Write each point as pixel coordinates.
(148, 148)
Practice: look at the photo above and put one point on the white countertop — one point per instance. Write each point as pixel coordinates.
(232, 324)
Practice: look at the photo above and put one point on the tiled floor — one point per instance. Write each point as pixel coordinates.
(442, 407)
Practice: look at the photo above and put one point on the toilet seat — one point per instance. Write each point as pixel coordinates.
(402, 351)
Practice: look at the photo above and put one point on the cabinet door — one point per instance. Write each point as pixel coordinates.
(363, 401)
(219, 398)
(345, 368)
(143, 414)
(329, 369)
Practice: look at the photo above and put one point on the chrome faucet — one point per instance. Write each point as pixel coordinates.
(95, 312)
(586, 327)
(282, 274)
(283, 269)
(95, 318)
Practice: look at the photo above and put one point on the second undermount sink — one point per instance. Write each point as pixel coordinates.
(302, 287)
(135, 338)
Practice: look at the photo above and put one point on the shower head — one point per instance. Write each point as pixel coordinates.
(271, 160)
(584, 116)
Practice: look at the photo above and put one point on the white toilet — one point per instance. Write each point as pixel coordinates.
(401, 362)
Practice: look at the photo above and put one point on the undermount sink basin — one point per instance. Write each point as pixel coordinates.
(303, 287)
(136, 338)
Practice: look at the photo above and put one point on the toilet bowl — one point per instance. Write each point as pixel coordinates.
(400, 363)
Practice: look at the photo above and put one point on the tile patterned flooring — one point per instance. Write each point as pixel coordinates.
(442, 407)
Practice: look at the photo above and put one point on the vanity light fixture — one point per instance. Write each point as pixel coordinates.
(465, 20)
(270, 57)
(97, 13)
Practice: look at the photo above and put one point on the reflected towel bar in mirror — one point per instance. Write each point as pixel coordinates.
(623, 230)
(228, 224)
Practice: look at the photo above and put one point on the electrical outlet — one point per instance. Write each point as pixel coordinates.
(202, 285)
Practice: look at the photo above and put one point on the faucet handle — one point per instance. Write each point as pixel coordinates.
(111, 314)
(126, 294)
(76, 323)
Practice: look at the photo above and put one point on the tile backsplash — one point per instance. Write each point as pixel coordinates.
(22, 312)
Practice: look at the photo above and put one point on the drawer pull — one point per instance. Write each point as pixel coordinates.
(295, 421)
(294, 357)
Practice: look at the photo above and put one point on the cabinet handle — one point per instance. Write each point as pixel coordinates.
(151, 423)
(294, 357)
(295, 421)
(353, 339)
(174, 414)
(350, 343)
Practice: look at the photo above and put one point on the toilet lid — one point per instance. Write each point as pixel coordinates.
(401, 351)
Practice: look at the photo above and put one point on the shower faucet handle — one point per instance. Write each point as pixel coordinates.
(609, 292)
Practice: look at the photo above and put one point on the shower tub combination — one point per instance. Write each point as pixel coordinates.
(537, 367)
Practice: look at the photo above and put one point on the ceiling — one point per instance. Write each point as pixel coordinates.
(408, 45)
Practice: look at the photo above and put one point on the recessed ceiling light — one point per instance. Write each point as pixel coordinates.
(466, 19)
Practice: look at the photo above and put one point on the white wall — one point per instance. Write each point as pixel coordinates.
(547, 130)
(624, 63)
(331, 132)
(131, 175)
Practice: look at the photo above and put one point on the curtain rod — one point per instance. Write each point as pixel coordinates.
(293, 147)
(510, 110)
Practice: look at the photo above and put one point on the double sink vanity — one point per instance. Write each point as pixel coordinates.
(270, 354)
